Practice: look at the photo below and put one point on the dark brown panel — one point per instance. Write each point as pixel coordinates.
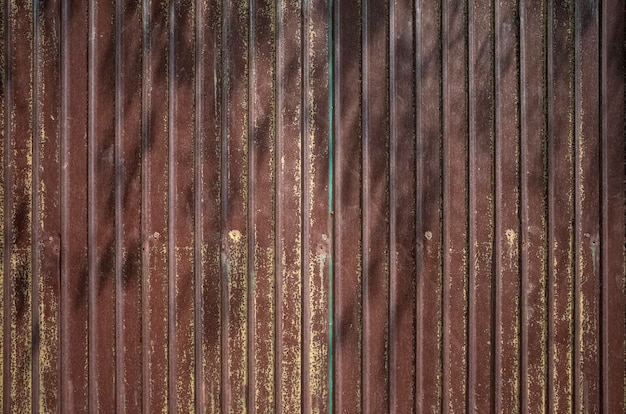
(347, 258)
(289, 369)
(481, 206)
(315, 189)
(128, 42)
(207, 208)
(533, 192)
(73, 158)
(181, 201)
(507, 226)
(560, 206)
(186, 186)
(402, 202)
(375, 200)
(46, 217)
(155, 235)
(235, 202)
(429, 208)
(613, 207)
(455, 203)
(587, 193)
(101, 208)
(261, 242)
(18, 210)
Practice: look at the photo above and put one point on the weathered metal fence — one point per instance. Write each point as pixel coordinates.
(350, 206)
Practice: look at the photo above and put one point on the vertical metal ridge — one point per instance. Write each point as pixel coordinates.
(198, 216)
(250, 213)
(91, 197)
(523, 217)
(613, 202)
(35, 223)
(64, 211)
(305, 203)
(278, 212)
(120, 389)
(171, 207)
(471, 211)
(331, 201)
(393, 194)
(497, 250)
(445, 183)
(146, 110)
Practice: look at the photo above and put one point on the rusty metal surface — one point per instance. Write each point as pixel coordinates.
(479, 206)
(313, 206)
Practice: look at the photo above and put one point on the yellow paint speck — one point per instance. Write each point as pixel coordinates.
(235, 236)
(511, 237)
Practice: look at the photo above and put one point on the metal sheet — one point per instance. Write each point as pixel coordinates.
(509, 186)
(339, 206)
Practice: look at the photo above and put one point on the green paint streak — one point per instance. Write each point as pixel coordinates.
(331, 64)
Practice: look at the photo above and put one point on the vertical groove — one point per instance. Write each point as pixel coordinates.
(364, 199)
(494, 288)
(470, 394)
(119, 191)
(250, 219)
(601, 219)
(331, 125)
(523, 219)
(35, 223)
(521, 292)
(445, 400)
(576, 320)
(171, 194)
(497, 218)
(441, 262)
(91, 197)
(419, 190)
(146, 84)
(278, 212)
(64, 379)
(198, 216)
(392, 304)
(494, 384)
(445, 179)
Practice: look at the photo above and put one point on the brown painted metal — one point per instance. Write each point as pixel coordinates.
(348, 206)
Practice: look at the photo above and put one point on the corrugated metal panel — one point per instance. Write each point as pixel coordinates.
(479, 206)
(166, 240)
(178, 196)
